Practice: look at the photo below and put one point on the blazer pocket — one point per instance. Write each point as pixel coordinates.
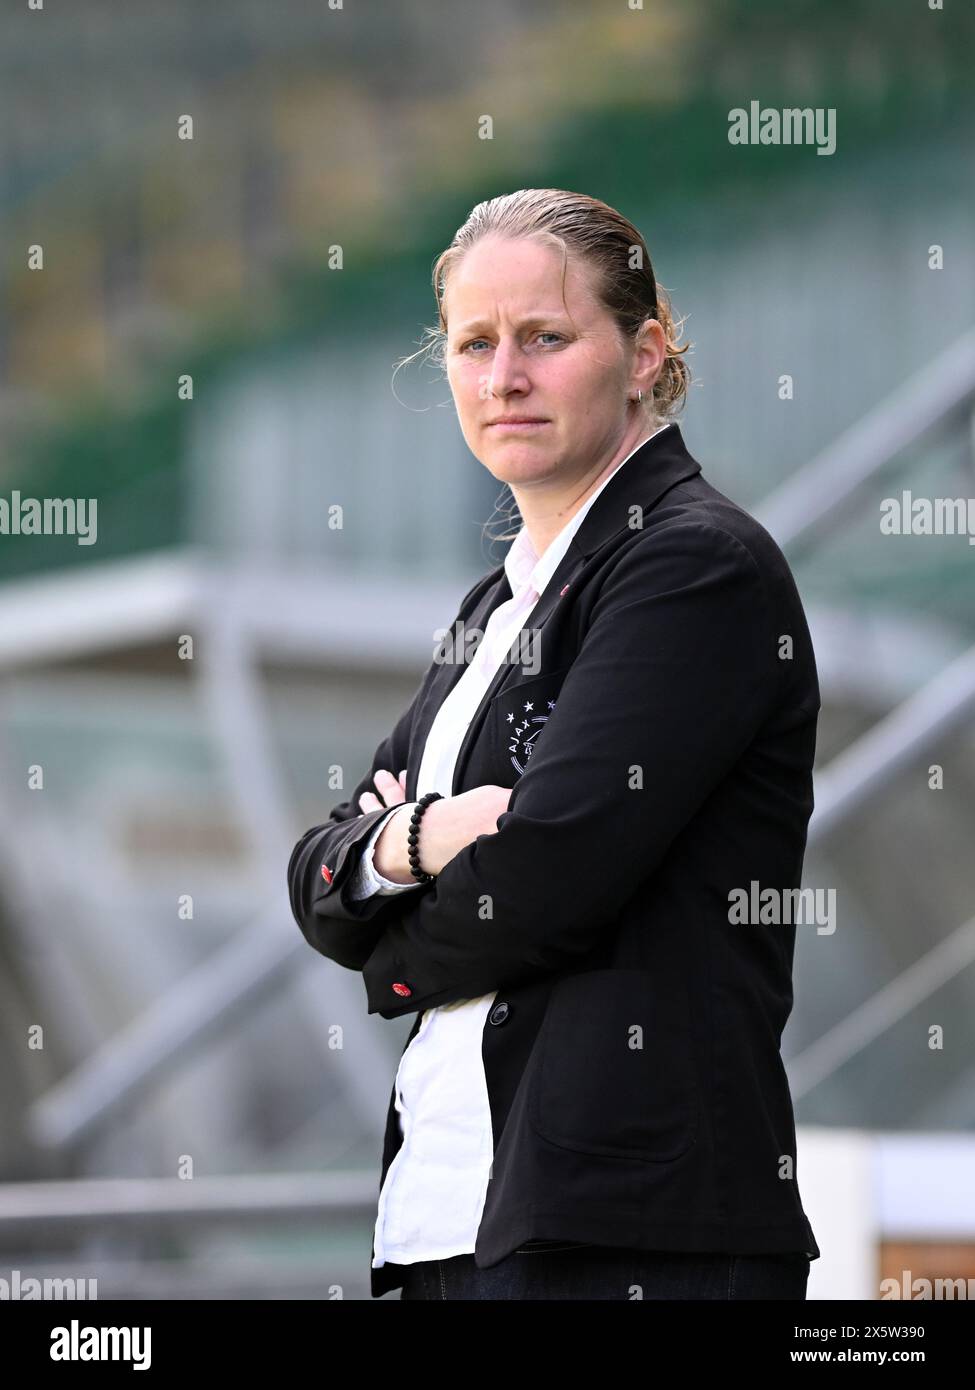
(613, 1071)
(519, 713)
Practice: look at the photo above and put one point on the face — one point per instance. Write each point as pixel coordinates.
(513, 351)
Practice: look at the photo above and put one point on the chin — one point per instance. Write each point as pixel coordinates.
(519, 465)
(513, 453)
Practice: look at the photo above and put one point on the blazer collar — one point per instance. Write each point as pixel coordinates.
(659, 464)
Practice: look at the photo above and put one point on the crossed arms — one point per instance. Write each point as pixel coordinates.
(677, 673)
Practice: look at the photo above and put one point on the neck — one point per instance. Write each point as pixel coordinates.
(546, 508)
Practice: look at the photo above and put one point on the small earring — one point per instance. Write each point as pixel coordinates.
(635, 400)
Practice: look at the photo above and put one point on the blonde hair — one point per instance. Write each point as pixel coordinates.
(620, 273)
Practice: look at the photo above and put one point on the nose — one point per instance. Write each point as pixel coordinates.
(507, 370)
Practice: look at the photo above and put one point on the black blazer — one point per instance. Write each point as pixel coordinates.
(637, 1091)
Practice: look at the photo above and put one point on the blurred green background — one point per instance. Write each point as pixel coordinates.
(280, 261)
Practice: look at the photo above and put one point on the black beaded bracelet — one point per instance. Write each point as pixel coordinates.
(414, 836)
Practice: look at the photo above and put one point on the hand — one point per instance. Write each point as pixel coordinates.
(448, 825)
(393, 791)
(390, 856)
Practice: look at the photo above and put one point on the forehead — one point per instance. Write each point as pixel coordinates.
(515, 280)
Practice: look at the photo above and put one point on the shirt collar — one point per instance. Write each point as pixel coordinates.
(522, 564)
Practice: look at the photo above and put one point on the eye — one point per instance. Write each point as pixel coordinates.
(544, 333)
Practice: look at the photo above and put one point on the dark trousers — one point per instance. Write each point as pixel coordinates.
(602, 1272)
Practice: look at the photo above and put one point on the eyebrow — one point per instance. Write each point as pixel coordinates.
(527, 322)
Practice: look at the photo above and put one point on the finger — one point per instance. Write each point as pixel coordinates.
(369, 802)
(391, 789)
(402, 778)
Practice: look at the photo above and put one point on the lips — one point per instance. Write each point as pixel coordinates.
(516, 420)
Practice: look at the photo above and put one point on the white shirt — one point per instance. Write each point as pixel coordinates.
(431, 1203)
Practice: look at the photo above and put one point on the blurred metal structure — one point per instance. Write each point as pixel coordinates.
(941, 393)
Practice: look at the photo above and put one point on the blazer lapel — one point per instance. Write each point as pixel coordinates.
(450, 665)
(569, 565)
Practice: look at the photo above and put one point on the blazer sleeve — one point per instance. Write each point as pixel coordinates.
(677, 672)
(323, 866)
(322, 870)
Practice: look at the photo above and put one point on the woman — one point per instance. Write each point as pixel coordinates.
(614, 742)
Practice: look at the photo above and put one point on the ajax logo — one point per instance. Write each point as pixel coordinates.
(522, 735)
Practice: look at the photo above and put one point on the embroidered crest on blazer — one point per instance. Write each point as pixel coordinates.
(523, 713)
